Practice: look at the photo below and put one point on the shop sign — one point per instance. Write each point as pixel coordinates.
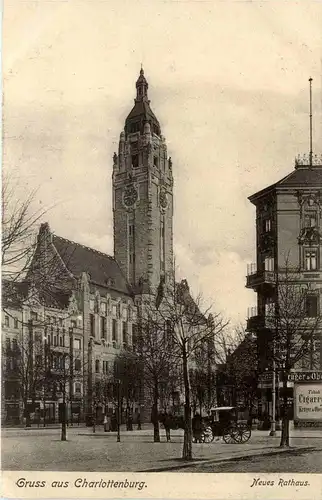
(267, 377)
(307, 376)
(308, 402)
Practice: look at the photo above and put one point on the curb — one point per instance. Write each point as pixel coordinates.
(229, 459)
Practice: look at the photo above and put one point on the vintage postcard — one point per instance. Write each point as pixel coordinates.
(161, 249)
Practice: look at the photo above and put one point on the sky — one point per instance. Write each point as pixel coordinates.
(228, 81)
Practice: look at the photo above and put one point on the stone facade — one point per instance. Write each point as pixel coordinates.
(288, 239)
(88, 310)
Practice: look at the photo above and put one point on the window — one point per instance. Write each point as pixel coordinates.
(16, 324)
(311, 260)
(269, 264)
(73, 323)
(92, 325)
(310, 219)
(155, 161)
(103, 327)
(77, 365)
(6, 320)
(8, 344)
(135, 145)
(103, 308)
(33, 316)
(105, 367)
(78, 388)
(267, 225)
(114, 309)
(134, 335)
(114, 330)
(60, 321)
(311, 306)
(135, 161)
(61, 341)
(77, 344)
(55, 340)
(124, 313)
(131, 229)
(97, 366)
(125, 333)
(135, 127)
(91, 304)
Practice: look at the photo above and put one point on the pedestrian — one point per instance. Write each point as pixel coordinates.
(167, 420)
(139, 422)
(105, 423)
(197, 428)
(130, 422)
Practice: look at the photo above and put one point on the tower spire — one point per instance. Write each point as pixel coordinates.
(311, 128)
(141, 87)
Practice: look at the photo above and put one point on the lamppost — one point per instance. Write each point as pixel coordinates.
(118, 409)
(273, 428)
(45, 377)
(71, 373)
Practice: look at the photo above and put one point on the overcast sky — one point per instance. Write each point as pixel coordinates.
(228, 81)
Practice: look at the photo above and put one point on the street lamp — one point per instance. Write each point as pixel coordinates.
(45, 339)
(118, 410)
(71, 372)
(273, 428)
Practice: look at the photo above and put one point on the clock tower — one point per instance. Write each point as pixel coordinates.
(143, 197)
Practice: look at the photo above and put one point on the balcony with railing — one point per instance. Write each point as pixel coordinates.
(256, 321)
(255, 277)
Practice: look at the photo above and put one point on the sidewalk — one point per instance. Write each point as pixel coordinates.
(86, 451)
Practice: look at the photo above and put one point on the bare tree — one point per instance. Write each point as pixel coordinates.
(293, 323)
(18, 231)
(189, 328)
(155, 356)
(237, 352)
(24, 370)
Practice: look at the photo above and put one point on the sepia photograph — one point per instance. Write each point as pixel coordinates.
(161, 285)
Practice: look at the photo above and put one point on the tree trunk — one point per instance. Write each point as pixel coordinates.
(63, 424)
(285, 437)
(155, 416)
(27, 414)
(187, 439)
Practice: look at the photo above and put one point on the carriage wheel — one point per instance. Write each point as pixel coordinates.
(207, 435)
(242, 434)
(228, 435)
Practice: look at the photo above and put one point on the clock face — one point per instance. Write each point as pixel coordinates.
(163, 199)
(130, 196)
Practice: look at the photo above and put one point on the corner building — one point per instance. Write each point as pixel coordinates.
(288, 230)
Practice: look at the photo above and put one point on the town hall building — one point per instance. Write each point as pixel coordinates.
(87, 310)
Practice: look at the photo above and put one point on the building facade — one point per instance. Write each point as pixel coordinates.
(288, 243)
(86, 313)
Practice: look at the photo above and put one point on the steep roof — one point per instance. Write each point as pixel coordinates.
(142, 113)
(16, 294)
(102, 268)
(301, 177)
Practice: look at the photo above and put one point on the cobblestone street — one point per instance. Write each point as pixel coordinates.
(41, 449)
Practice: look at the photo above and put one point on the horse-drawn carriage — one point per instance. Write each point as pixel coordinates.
(224, 423)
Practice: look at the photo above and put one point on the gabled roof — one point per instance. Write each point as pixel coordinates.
(16, 294)
(103, 269)
(300, 178)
